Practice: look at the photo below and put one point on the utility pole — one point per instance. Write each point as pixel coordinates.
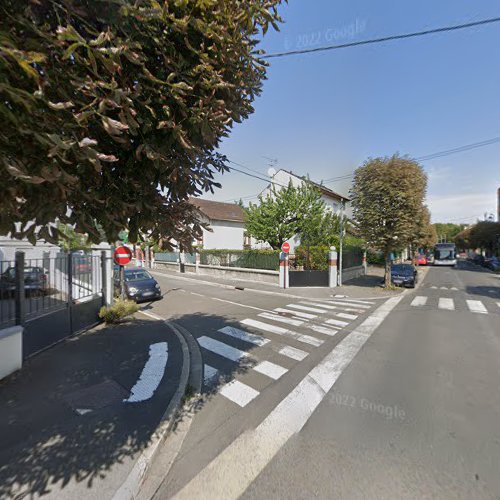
(341, 241)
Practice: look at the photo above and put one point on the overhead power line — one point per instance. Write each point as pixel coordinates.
(391, 38)
(433, 156)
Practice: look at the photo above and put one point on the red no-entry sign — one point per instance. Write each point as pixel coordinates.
(122, 256)
(285, 247)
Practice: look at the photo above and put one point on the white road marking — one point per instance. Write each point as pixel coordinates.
(230, 473)
(209, 374)
(238, 393)
(245, 336)
(444, 288)
(282, 319)
(151, 375)
(293, 353)
(83, 411)
(453, 288)
(322, 329)
(270, 370)
(446, 304)
(222, 349)
(336, 308)
(336, 322)
(306, 339)
(434, 287)
(235, 303)
(419, 301)
(347, 316)
(300, 314)
(362, 302)
(476, 306)
(337, 303)
(498, 304)
(305, 308)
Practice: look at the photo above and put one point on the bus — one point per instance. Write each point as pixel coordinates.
(445, 254)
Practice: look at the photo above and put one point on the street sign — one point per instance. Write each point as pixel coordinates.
(285, 247)
(122, 256)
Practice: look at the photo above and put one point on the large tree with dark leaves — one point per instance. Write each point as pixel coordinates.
(111, 111)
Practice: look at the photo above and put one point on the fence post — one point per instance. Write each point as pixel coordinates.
(70, 289)
(332, 267)
(182, 261)
(365, 265)
(197, 262)
(20, 295)
(284, 271)
(106, 282)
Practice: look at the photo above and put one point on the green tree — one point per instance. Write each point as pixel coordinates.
(387, 198)
(70, 240)
(425, 236)
(446, 232)
(485, 235)
(111, 111)
(286, 212)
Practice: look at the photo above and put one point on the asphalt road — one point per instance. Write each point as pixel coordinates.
(412, 410)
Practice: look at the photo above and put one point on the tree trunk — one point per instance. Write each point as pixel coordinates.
(387, 277)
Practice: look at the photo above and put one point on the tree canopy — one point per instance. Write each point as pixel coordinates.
(288, 211)
(111, 111)
(446, 232)
(387, 198)
(484, 235)
(425, 236)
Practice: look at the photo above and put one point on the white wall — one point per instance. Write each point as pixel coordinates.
(225, 235)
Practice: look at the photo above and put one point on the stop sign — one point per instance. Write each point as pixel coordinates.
(122, 256)
(285, 247)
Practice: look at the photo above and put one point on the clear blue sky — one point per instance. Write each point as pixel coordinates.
(324, 114)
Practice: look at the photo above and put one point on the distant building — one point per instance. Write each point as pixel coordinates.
(227, 221)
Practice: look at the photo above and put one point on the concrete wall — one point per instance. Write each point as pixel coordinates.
(240, 273)
(225, 235)
(11, 350)
(352, 273)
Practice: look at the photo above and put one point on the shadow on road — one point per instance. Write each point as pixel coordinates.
(45, 444)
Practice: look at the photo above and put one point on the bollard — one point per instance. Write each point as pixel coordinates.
(365, 265)
(284, 278)
(332, 267)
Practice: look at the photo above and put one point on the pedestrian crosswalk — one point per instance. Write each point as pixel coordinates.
(453, 304)
(291, 332)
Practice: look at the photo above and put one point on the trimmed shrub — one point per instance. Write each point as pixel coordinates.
(120, 310)
(318, 257)
(375, 258)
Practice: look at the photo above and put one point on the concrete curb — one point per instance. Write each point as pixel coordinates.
(131, 486)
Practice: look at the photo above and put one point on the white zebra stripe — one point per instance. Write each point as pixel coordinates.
(282, 319)
(306, 339)
(245, 336)
(446, 304)
(239, 393)
(293, 353)
(476, 306)
(337, 322)
(222, 349)
(300, 314)
(271, 370)
(305, 308)
(322, 329)
(419, 301)
(346, 316)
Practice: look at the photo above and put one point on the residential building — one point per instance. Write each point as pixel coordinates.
(227, 222)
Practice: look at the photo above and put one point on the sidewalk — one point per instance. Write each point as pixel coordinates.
(64, 425)
(364, 287)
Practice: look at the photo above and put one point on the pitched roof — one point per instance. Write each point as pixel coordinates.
(323, 189)
(216, 210)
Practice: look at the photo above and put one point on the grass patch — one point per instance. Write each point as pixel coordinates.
(120, 310)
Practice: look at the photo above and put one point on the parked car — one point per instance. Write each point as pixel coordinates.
(404, 275)
(478, 259)
(492, 263)
(82, 264)
(35, 280)
(139, 284)
(422, 260)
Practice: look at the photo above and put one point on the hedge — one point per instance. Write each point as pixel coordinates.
(249, 259)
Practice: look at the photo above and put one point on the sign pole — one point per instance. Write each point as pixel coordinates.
(122, 282)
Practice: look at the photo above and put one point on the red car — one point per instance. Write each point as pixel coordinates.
(422, 260)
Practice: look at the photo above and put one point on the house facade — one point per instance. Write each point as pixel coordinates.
(227, 221)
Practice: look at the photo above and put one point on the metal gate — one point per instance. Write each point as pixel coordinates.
(52, 297)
